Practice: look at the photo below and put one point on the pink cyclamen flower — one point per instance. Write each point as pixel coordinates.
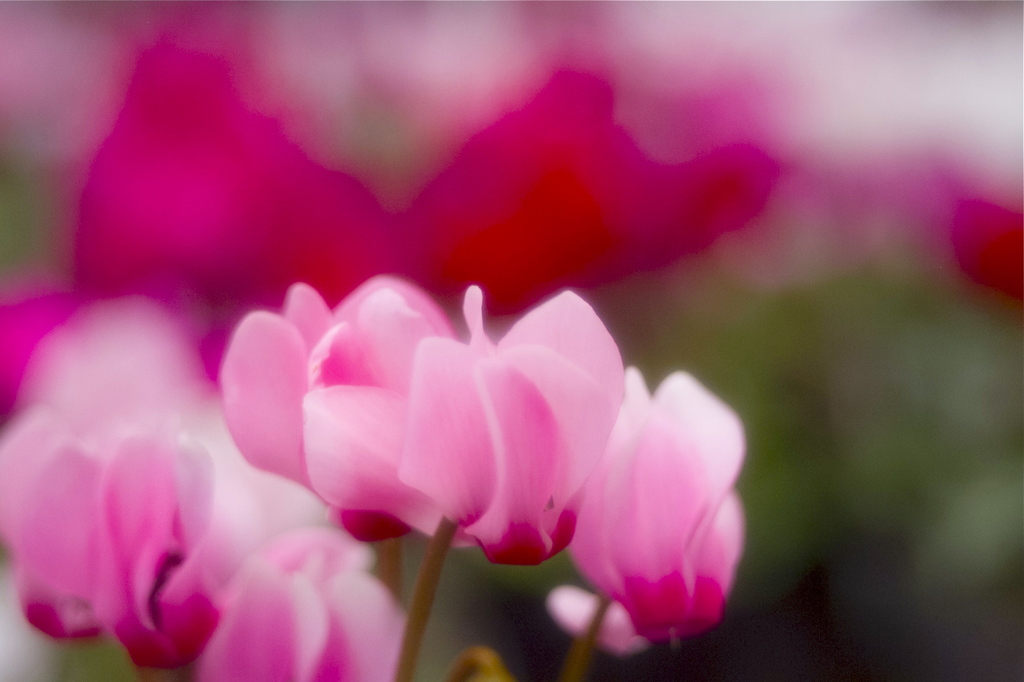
(304, 610)
(123, 512)
(502, 436)
(103, 530)
(573, 609)
(101, 504)
(661, 528)
(320, 397)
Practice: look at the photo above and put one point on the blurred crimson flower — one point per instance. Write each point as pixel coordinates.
(558, 194)
(988, 240)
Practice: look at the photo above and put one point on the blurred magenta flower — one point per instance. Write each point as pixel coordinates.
(24, 320)
(559, 194)
(304, 609)
(661, 529)
(502, 436)
(573, 609)
(194, 194)
(320, 397)
(110, 498)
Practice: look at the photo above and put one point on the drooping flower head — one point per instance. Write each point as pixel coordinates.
(320, 397)
(661, 528)
(110, 500)
(503, 435)
(102, 504)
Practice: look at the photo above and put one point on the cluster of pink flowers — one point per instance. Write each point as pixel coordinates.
(128, 510)
(393, 421)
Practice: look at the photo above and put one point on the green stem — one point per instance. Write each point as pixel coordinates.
(389, 566)
(479, 662)
(182, 674)
(578, 659)
(423, 599)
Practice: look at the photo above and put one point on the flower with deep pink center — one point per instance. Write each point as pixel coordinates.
(122, 509)
(100, 533)
(503, 435)
(319, 396)
(661, 528)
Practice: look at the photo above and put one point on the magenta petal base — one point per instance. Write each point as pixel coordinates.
(47, 619)
(666, 610)
(522, 545)
(371, 526)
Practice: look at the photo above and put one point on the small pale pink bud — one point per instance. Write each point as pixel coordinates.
(573, 609)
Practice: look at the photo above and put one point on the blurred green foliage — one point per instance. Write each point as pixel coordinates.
(24, 218)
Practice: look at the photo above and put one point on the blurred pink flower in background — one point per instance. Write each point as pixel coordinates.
(123, 363)
(304, 609)
(111, 507)
(503, 435)
(320, 397)
(661, 529)
(102, 506)
(885, 121)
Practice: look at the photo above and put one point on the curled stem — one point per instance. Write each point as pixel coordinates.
(479, 664)
(389, 566)
(423, 599)
(578, 659)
